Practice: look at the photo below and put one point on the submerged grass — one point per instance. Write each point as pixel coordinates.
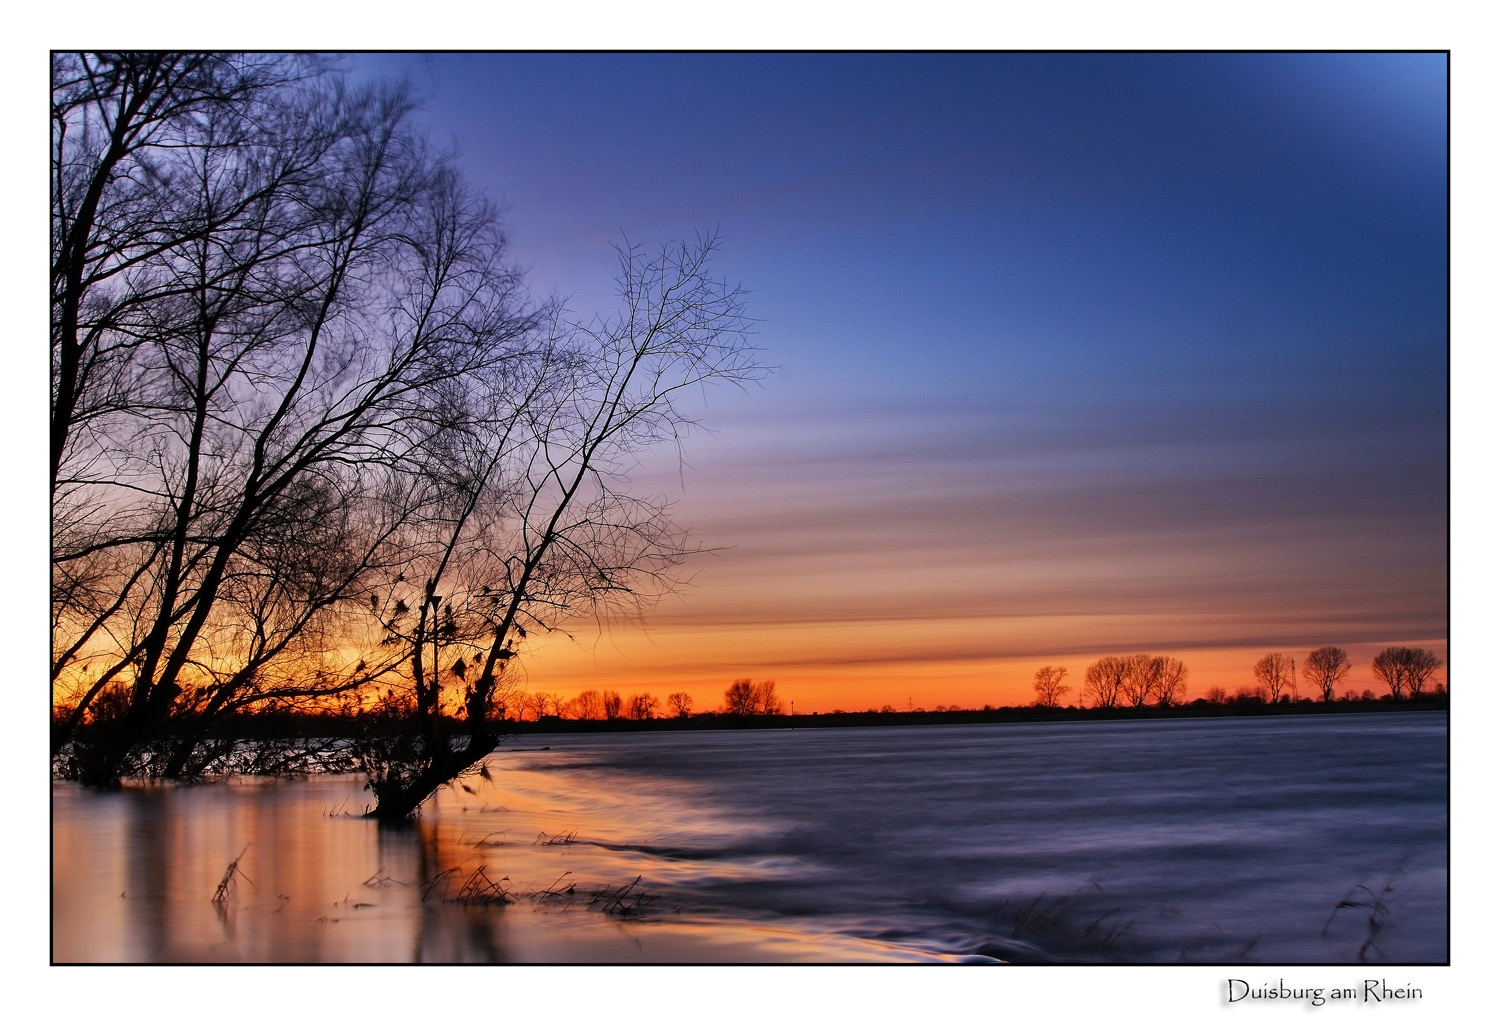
(1069, 925)
(486, 840)
(1078, 927)
(627, 901)
(231, 875)
(479, 888)
(552, 892)
(442, 878)
(630, 901)
(1362, 897)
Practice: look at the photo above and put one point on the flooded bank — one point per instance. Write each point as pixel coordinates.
(1230, 840)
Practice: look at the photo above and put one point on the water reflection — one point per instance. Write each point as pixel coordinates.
(135, 874)
(1134, 842)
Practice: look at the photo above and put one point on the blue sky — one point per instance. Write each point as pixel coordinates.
(1150, 349)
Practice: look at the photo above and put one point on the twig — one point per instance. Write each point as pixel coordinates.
(1379, 913)
(480, 888)
(618, 902)
(230, 874)
(552, 892)
(433, 881)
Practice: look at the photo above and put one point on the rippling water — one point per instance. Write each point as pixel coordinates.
(1135, 841)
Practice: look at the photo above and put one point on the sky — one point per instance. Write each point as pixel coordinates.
(1076, 354)
(530, 141)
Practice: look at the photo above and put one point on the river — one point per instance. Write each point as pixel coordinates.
(1317, 839)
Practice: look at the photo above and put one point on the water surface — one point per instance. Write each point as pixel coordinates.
(1208, 840)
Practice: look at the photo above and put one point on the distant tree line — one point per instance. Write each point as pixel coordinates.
(1141, 679)
(1136, 680)
(1403, 669)
(742, 698)
(592, 704)
(1133, 681)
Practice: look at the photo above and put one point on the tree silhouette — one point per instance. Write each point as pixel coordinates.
(1049, 687)
(1325, 668)
(1135, 680)
(264, 284)
(589, 705)
(1169, 679)
(1105, 678)
(642, 706)
(744, 697)
(1138, 679)
(1405, 670)
(546, 526)
(302, 415)
(1420, 666)
(1274, 673)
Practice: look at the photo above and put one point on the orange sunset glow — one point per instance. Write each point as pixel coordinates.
(865, 507)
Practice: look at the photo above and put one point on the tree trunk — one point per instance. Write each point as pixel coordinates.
(397, 798)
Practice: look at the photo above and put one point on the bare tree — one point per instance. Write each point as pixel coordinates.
(1137, 679)
(1405, 670)
(264, 286)
(1274, 673)
(527, 706)
(1216, 695)
(1138, 682)
(1389, 666)
(1105, 680)
(767, 701)
(594, 704)
(121, 124)
(548, 529)
(642, 706)
(744, 697)
(306, 435)
(589, 704)
(1420, 666)
(681, 704)
(1049, 686)
(1169, 680)
(1325, 668)
(739, 697)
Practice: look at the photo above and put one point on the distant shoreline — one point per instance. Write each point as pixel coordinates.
(1001, 714)
(290, 725)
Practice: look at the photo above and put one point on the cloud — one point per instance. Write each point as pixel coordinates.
(969, 512)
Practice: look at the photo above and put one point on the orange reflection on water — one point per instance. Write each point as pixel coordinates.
(135, 875)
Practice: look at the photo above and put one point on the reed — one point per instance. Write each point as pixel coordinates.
(626, 901)
(553, 893)
(1377, 913)
(479, 888)
(231, 875)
